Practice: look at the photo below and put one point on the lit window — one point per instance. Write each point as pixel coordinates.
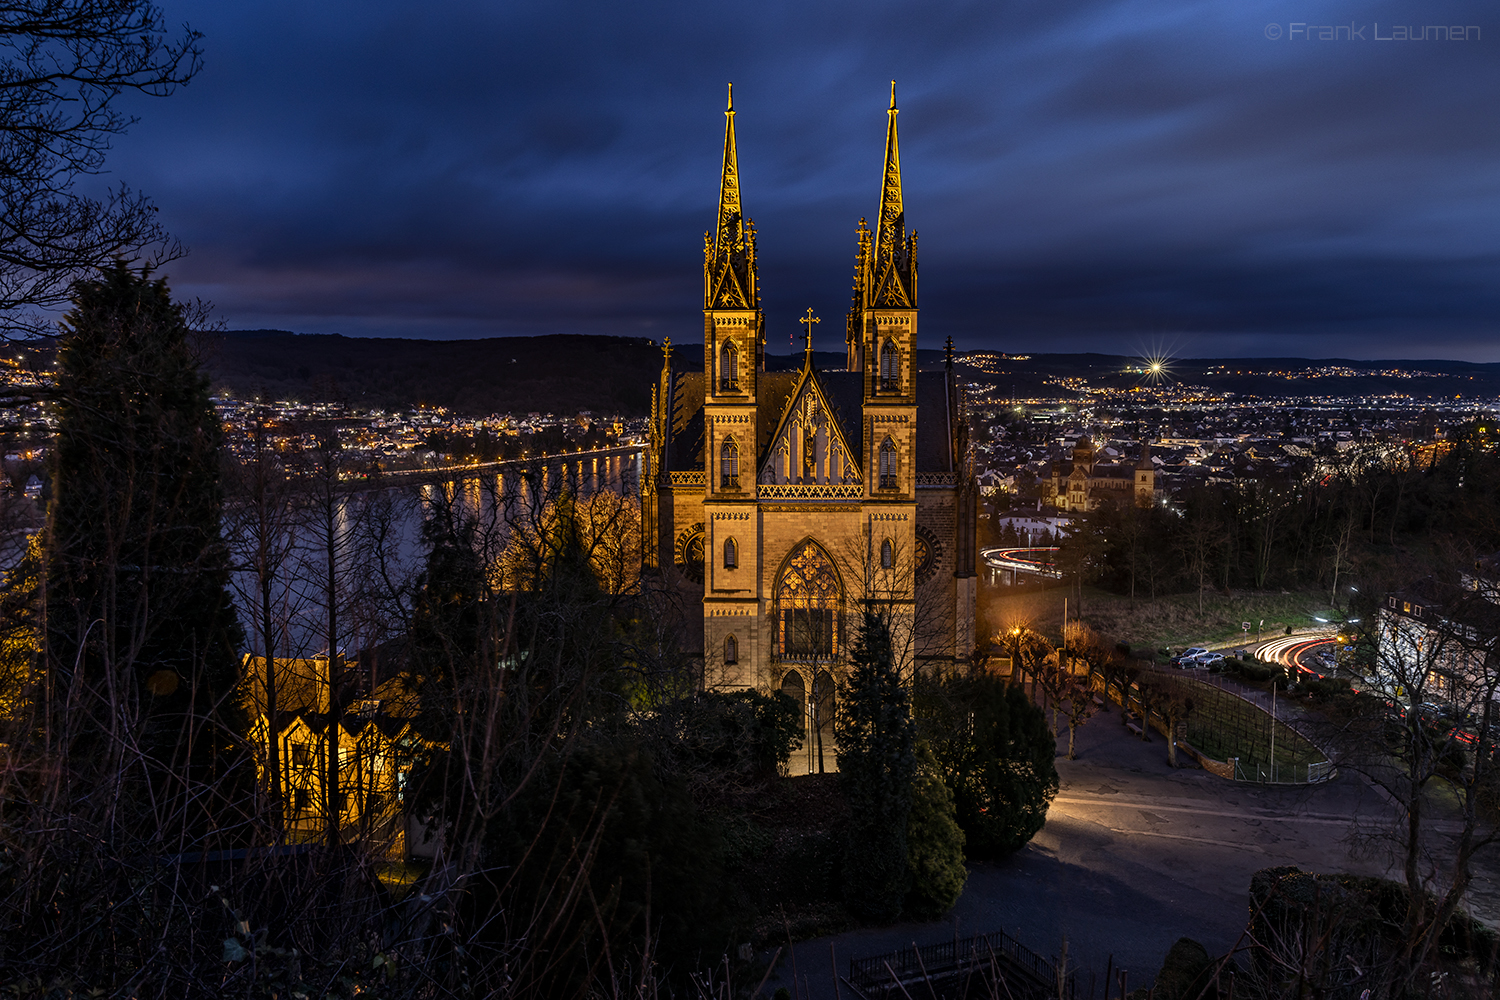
(887, 554)
(729, 368)
(888, 465)
(729, 465)
(731, 554)
(890, 366)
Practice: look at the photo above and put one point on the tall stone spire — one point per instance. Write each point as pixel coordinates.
(729, 279)
(891, 227)
(892, 277)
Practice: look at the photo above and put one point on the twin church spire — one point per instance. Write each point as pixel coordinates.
(886, 265)
(887, 258)
(729, 278)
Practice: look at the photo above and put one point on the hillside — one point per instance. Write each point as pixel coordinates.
(553, 374)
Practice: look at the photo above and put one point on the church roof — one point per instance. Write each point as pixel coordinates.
(934, 424)
(845, 394)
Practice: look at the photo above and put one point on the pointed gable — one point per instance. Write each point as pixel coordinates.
(810, 443)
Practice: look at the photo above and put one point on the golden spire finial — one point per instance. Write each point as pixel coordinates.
(730, 109)
(893, 95)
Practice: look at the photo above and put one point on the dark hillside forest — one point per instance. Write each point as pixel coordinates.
(552, 374)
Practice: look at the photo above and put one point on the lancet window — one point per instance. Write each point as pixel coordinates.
(890, 366)
(729, 368)
(808, 596)
(888, 464)
(729, 465)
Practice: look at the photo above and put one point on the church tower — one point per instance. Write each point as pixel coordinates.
(733, 334)
(882, 333)
(733, 369)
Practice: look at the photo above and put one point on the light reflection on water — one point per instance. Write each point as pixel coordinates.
(378, 551)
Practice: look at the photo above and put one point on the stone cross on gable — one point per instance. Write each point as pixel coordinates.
(808, 322)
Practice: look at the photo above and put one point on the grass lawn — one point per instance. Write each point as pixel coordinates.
(1166, 621)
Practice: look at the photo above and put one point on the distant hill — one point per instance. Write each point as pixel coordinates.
(1266, 378)
(552, 374)
(565, 374)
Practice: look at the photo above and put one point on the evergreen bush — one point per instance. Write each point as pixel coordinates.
(934, 843)
(996, 756)
(876, 739)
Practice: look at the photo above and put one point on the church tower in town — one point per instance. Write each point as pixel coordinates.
(786, 499)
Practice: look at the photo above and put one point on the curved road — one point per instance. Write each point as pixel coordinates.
(1297, 651)
(1020, 559)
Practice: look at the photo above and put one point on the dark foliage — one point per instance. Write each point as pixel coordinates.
(139, 619)
(996, 755)
(934, 843)
(876, 743)
(598, 858)
(725, 738)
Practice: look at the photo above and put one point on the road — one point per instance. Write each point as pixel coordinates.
(1297, 651)
(1134, 855)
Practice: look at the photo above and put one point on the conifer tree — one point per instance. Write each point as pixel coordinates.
(877, 762)
(141, 633)
(934, 842)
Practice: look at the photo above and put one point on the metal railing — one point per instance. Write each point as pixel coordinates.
(1025, 973)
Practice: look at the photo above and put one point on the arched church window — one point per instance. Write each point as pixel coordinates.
(888, 464)
(731, 649)
(729, 465)
(729, 368)
(887, 554)
(890, 366)
(731, 554)
(808, 597)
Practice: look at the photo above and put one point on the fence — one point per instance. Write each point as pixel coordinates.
(1226, 726)
(948, 969)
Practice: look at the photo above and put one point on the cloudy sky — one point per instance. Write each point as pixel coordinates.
(1206, 178)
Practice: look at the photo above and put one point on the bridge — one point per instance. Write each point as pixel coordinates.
(617, 468)
(1015, 563)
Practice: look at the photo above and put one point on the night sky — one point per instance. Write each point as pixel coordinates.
(1123, 177)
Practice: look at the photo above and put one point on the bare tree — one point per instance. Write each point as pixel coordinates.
(1428, 737)
(64, 65)
(262, 530)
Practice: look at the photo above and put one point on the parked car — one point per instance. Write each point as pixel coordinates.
(1211, 661)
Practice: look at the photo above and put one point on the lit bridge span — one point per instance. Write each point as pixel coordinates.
(617, 468)
(1019, 562)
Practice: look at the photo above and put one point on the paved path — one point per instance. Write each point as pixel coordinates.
(1134, 855)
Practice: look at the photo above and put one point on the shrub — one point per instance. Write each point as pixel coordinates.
(996, 755)
(934, 843)
(719, 740)
(591, 850)
(876, 764)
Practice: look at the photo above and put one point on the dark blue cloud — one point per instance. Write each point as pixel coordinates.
(1083, 175)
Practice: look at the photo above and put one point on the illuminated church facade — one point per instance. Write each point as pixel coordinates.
(795, 497)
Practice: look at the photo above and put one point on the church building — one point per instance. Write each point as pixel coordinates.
(1085, 483)
(792, 498)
